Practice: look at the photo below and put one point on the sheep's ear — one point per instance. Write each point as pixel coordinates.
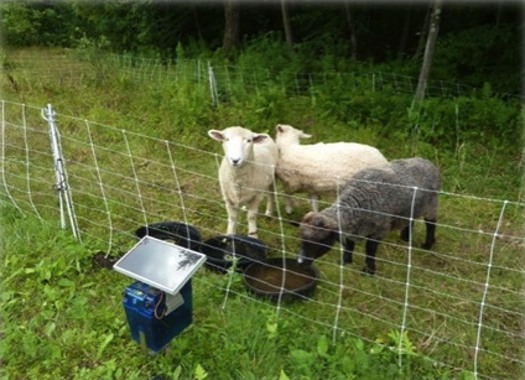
(216, 135)
(260, 138)
(321, 221)
(307, 218)
(314, 219)
(279, 128)
(304, 135)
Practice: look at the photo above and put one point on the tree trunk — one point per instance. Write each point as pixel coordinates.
(498, 14)
(197, 23)
(351, 27)
(429, 50)
(423, 34)
(231, 26)
(404, 34)
(286, 24)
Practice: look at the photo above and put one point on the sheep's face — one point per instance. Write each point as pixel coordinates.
(237, 143)
(318, 235)
(283, 131)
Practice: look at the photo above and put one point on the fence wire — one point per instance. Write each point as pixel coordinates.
(226, 81)
(122, 180)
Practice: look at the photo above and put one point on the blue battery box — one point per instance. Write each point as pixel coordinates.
(155, 317)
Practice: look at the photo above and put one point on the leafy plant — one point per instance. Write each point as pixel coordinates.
(200, 373)
(397, 342)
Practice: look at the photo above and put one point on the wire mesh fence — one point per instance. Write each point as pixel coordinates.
(224, 80)
(460, 302)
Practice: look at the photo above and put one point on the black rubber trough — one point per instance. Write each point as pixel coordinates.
(282, 278)
(222, 250)
(178, 233)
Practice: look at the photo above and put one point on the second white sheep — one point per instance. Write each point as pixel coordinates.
(318, 169)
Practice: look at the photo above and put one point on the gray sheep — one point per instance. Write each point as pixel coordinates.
(373, 202)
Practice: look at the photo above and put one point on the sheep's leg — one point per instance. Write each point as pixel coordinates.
(269, 204)
(253, 209)
(371, 249)
(405, 232)
(349, 249)
(314, 201)
(233, 212)
(289, 204)
(431, 233)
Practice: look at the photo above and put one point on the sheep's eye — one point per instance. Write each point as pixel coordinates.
(248, 140)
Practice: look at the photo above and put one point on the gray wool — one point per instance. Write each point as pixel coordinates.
(371, 201)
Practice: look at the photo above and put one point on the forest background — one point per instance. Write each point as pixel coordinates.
(479, 43)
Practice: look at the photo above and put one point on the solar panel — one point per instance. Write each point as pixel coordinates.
(160, 264)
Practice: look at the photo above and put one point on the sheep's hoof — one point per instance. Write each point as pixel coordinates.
(405, 235)
(347, 259)
(427, 246)
(368, 271)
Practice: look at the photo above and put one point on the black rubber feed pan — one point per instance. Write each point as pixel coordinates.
(221, 250)
(266, 279)
(178, 233)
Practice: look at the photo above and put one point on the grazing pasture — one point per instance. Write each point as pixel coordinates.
(134, 140)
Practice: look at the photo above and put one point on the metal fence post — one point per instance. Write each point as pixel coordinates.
(62, 185)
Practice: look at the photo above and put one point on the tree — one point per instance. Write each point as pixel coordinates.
(286, 24)
(404, 34)
(231, 26)
(351, 26)
(197, 22)
(429, 50)
(423, 35)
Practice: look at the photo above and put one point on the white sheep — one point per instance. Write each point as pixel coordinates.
(246, 173)
(320, 168)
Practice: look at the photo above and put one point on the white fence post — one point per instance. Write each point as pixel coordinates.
(213, 85)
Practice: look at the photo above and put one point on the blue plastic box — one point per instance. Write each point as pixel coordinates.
(146, 307)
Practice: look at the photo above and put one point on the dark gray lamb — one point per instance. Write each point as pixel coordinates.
(373, 202)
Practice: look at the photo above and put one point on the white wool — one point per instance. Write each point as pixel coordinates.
(246, 174)
(318, 169)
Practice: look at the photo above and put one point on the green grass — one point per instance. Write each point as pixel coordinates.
(62, 318)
